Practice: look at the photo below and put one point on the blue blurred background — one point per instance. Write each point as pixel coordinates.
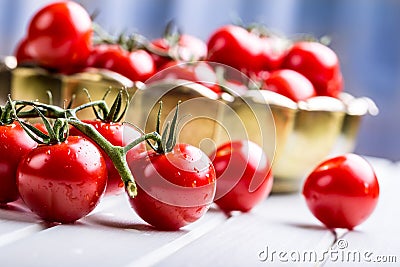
(365, 35)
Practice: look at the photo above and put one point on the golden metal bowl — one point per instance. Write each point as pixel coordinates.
(34, 83)
(295, 136)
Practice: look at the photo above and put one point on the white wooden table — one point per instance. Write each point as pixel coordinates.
(280, 231)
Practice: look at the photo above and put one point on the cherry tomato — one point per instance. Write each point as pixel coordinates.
(174, 189)
(272, 53)
(342, 191)
(244, 176)
(119, 135)
(137, 65)
(200, 72)
(21, 53)
(236, 47)
(14, 144)
(59, 36)
(62, 182)
(291, 84)
(187, 48)
(319, 64)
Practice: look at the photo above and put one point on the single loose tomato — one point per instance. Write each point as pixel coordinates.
(290, 83)
(59, 36)
(137, 65)
(342, 191)
(244, 176)
(119, 135)
(319, 64)
(175, 188)
(236, 47)
(14, 144)
(62, 182)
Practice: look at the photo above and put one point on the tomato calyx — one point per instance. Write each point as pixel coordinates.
(167, 142)
(163, 142)
(6, 114)
(118, 108)
(175, 45)
(117, 154)
(57, 132)
(129, 43)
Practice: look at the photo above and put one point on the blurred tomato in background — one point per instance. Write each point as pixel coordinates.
(363, 34)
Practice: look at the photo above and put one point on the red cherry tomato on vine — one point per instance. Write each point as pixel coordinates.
(14, 144)
(290, 83)
(236, 47)
(342, 191)
(62, 182)
(319, 64)
(199, 72)
(137, 65)
(59, 36)
(244, 176)
(272, 53)
(119, 135)
(22, 53)
(174, 189)
(187, 48)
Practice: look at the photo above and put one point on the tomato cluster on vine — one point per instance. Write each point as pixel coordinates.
(62, 169)
(62, 37)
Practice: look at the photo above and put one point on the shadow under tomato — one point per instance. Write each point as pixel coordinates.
(17, 211)
(314, 227)
(116, 222)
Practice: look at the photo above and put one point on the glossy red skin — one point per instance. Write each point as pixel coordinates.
(137, 65)
(59, 36)
(116, 134)
(342, 191)
(244, 176)
(200, 72)
(21, 53)
(14, 144)
(174, 189)
(62, 182)
(291, 84)
(236, 47)
(319, 64)
(190, 48)
(271, 56)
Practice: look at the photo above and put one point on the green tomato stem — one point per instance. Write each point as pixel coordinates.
(116, 153)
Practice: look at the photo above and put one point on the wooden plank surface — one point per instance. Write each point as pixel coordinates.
(274, 233)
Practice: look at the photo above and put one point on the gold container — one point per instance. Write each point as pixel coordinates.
(295, 136)
(34, 83)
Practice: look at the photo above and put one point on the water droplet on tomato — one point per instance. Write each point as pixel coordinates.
(187, 156)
